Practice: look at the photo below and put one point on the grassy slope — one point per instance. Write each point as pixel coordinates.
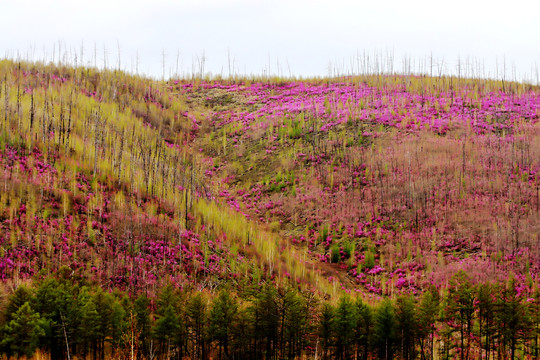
(102, 174)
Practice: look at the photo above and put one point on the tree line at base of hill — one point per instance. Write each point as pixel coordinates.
(68, 319)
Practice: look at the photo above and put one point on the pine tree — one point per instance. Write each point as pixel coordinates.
(364, 328)
(89, 326)
(325, 329)
(196, 319)
(534, 311)
(265, 316)
(19, 297)
(345, 320)
(55, 303)
(222, 317)
(21, 334)
(486, 305)
(167, 326)
(460, 310)
(141, 309)
(385, 330)
(119, 325)
(103, 304)
(294, 324)
(242, 335)
(513, 318)
(428, 314)
(407, 326)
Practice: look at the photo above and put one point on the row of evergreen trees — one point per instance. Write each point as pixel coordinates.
(66, 318)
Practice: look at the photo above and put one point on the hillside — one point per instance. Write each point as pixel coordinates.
(374, 187)
(397, 182)
(103, 174)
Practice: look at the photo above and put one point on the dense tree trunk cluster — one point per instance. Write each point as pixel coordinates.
(64, 319)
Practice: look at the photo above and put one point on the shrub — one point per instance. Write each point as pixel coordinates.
(369, 259)
(335, 256)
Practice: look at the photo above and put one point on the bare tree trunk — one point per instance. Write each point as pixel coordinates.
(6, 100)
(65, 336)
(98, 137)
(68, 131)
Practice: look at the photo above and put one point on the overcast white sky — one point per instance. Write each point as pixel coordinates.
(301, 37)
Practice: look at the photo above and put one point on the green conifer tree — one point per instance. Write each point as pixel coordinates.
(364, 328)
(141, 309)
(20, 336)
(407, 326)
(325, 329)
(222, 317)
(196, 313)
(385, 330)
(345, 320)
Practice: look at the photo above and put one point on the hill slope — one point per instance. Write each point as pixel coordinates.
(102, 174)
(124, 195)
(386, 182)
(398, 182)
